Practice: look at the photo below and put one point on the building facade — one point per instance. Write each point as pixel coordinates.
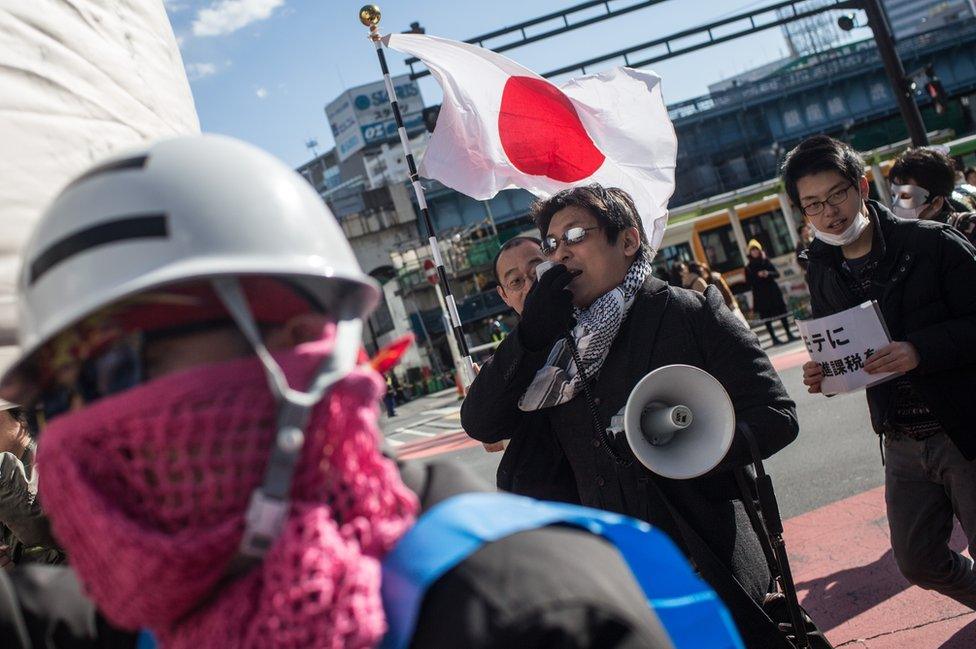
(910, 17)
(737, 136)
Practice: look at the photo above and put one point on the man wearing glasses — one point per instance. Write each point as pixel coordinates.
(922, 275)
(595, 324)
(533, 464)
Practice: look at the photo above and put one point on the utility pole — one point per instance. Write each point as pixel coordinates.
(904, 95)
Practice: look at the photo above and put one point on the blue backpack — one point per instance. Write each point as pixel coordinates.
(454, 529)
(688, 609)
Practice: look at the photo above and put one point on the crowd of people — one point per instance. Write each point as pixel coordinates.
(189, 452)
(916, 263)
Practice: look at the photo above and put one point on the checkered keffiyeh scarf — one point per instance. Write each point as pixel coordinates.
(559, 380)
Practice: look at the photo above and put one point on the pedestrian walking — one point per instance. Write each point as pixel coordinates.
(697, 276)
(804, 238)
(922, 184)
(389, 397)
(767, 296)
(922, 274)
(25, 534)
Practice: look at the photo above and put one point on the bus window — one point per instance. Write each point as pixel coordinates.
(769, 229)
(669, 255)
(721, 249)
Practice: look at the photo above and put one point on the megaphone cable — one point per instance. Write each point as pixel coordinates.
(601, 431)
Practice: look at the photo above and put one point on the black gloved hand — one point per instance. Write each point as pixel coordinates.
(548, 312)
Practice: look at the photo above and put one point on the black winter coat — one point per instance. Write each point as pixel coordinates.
(925, 284)
(665, 325)
(533, 464)
(767, 297)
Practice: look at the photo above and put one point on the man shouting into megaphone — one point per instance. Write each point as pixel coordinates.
(596, 324)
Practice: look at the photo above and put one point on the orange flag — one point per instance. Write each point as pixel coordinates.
(391, 354)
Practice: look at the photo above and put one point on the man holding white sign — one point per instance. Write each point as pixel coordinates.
(921, 274)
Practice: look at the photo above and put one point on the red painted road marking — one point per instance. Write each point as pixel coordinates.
(435, 446)
(786, 360)
(451, 441)
(457, 441)
(846, 577)
(848, 582)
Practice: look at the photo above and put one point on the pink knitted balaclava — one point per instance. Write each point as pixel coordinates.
(147, 491)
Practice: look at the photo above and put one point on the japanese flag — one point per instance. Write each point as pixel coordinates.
(503, 126)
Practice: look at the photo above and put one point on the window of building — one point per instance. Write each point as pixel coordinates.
(332, 177)
(791, 119)
(814, 113)
(472, 211)
(835, 106)
(445, 212)
(721, 249)
(381, 320)
(769, 229)
(879, 92)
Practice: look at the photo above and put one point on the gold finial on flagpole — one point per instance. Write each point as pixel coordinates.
(369, 16)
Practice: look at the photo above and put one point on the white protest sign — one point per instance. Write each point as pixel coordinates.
(841, 343)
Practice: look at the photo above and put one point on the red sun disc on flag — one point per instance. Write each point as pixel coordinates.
(541, 132)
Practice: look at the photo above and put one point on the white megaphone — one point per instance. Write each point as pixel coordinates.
(678, 421)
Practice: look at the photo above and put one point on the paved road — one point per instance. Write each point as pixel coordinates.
(828, 483)
(836, 454)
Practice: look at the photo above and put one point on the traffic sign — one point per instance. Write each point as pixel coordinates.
(430, 271)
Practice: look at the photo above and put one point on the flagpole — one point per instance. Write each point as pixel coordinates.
(369, 16)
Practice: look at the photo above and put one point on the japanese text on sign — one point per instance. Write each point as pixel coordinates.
(842, 343)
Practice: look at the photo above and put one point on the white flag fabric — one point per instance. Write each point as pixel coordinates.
(81, 79)
(502, 126)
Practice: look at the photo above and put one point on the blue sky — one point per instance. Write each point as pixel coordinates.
(263, 70)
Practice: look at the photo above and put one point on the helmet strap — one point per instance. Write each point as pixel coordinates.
(269, 503)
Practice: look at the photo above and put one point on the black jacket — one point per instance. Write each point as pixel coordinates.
(666, 325)
(925, 284)
(553, 587)
(767, 297)
(533, 464)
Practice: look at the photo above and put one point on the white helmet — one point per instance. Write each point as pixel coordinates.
(187, 208)
(194, 208)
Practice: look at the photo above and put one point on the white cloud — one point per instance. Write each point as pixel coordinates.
(261, 93)
(227, 16)
(175, 6)
(195, 71)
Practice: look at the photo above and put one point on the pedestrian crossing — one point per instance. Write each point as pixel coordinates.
(434, 423)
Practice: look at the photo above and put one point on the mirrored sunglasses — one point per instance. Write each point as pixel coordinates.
(571, 237)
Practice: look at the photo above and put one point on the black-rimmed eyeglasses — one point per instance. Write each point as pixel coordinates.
(816, 207)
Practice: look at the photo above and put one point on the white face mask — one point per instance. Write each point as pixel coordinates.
(908, 201)
(853, 231)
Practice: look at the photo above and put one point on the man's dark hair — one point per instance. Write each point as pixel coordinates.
(508, 245)
(932, 170)
(968, 171)
(613, 208)
(818, 154)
